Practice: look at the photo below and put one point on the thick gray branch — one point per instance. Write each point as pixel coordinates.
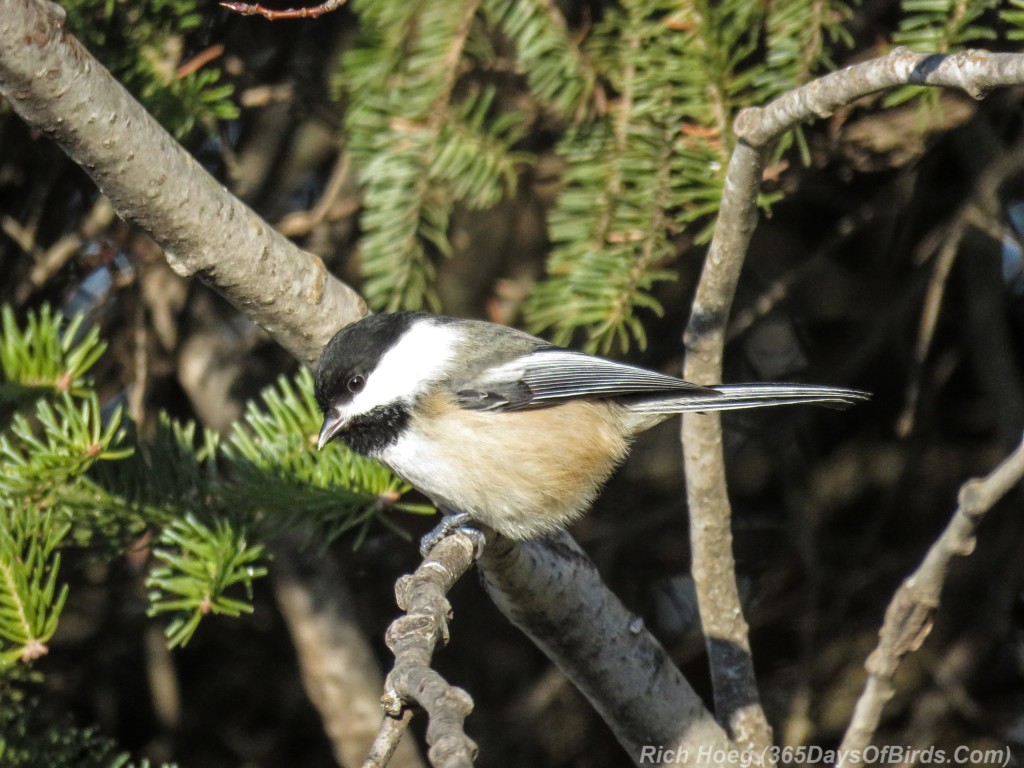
(551, 590)
(58, 87)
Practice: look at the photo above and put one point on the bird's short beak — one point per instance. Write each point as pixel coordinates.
(334, 424)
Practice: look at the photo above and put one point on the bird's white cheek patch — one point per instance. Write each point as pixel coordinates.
(418, 358)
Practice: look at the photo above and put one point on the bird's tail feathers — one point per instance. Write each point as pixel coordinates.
(730, 397)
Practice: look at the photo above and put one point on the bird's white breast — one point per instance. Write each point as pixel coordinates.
(522, 473)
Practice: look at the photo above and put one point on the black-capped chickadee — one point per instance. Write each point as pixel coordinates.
(488, 421)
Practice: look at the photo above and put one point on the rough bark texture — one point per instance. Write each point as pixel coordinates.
(52, 82)
(551, 590)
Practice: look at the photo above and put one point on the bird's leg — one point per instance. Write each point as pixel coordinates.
(450, 523)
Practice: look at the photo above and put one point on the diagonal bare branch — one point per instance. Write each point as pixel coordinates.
(56, 85)
(908, 619)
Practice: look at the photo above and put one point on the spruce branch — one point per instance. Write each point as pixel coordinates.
(274, 464)
(400, 103)
(204, 498)
(473, 158)
(49, 355)
(612, 226)
(30, 599)
(800, 37)
(267, 477)
(74, 437)
(942, 26)
(1012, 14)
(201, 562)
(559, 73)
(141, 44)
(648, 171)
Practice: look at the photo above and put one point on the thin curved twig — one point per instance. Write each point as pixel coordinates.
(974, 72)
(757, 128)
(300, 223)
(908, 619)
(979, 211)
(302, 12)
(737, 702)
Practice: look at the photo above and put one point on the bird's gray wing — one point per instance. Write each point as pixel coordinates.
(552, 375)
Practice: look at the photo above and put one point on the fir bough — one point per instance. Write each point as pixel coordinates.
(78, 474)
(560, 75)
(419, 146)
(652, 166)
(279, 473)
(31, 600)
(644, 99)
(48, 355)
(1012, 14)
(200, 563)
(942, 26)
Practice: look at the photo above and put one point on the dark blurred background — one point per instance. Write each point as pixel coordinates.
(832, 509)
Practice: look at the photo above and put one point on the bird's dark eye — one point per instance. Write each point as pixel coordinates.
(355, 384)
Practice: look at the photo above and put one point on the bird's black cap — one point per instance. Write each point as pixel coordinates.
(356, 350)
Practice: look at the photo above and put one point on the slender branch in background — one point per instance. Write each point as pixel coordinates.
(55, 85)
(948, 248)
(736, 699)
(389, 737)
(307, 12)
(737, 702)
(300, 223)
(908, 619)
(413, 638)
(981, 210)
(339, 669)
